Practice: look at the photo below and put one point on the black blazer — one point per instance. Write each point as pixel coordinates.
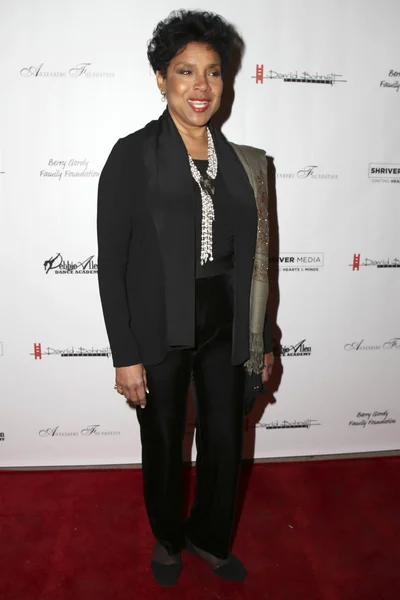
(145, 226)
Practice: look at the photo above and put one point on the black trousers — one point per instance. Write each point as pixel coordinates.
(219, 405)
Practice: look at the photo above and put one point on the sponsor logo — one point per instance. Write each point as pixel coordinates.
(386, 263)
(297, 77)
(89, 431)
(378, 417)
(299, 349)
(71, 168)
(302, 424)
(394, 81)
(72, 352)
(1, 348)
(384, 172)
(59, 266)
(83, 70)
(359, 346)
(2, 436)
(309, 172)
(298, 261)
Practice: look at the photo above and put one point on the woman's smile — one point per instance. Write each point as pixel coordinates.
(199, 105)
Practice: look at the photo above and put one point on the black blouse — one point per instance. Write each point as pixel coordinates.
(223, 226)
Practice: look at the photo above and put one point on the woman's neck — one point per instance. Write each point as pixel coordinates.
(197, 150)
(194, 138)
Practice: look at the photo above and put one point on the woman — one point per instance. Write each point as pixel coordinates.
(182, 238)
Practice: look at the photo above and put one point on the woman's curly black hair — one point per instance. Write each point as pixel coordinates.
(183, 26)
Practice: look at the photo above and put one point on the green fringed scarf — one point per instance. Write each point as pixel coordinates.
(255, 164)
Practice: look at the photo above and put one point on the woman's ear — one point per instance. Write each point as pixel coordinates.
(160, 82)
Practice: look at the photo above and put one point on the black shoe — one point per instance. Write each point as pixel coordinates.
(166, 575)
(231, 570)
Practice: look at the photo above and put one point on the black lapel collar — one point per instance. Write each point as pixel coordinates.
(173, 171)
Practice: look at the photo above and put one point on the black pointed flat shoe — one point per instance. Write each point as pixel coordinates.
(232, 570)
(166, 575)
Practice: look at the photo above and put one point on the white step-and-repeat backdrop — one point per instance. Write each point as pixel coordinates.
(319, 91)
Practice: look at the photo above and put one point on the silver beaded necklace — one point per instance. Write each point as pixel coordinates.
(207, 189)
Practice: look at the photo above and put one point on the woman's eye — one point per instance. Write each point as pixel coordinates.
(216, 73)
(185, 72)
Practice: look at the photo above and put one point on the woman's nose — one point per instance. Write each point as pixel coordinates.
(202, 83)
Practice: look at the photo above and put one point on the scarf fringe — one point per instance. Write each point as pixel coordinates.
(255, 363)
(255, 165)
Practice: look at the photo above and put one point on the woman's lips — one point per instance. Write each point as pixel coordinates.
(199, 105)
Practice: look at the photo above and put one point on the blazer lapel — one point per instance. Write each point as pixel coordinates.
(170, 198)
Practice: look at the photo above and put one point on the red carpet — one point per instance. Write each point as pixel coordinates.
(315, 531)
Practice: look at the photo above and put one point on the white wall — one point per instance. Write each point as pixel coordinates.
(324, 139)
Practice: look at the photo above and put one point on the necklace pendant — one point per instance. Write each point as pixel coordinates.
(208, 186)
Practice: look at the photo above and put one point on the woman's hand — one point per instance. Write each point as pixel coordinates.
(131, 382)
(268, 364)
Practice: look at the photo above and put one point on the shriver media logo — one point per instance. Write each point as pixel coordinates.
(384, 172)
(298, 261)
(263, 74)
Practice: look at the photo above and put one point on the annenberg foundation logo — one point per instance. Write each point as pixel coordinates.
(71, 168)
(393, 82)
(284, 424)
(89, 431)
(360, 346)
(377, 417)
(83, 70)
(2, 436)
(1, 349)
(57, 265)
(39, 352)
(298, 261)
(298, 349)
(385, 263)
(309, 172)
(384, 172)
(297, 77)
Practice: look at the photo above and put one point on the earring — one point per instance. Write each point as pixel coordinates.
(163, 96)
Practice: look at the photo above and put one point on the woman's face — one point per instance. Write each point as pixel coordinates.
(193, 85)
